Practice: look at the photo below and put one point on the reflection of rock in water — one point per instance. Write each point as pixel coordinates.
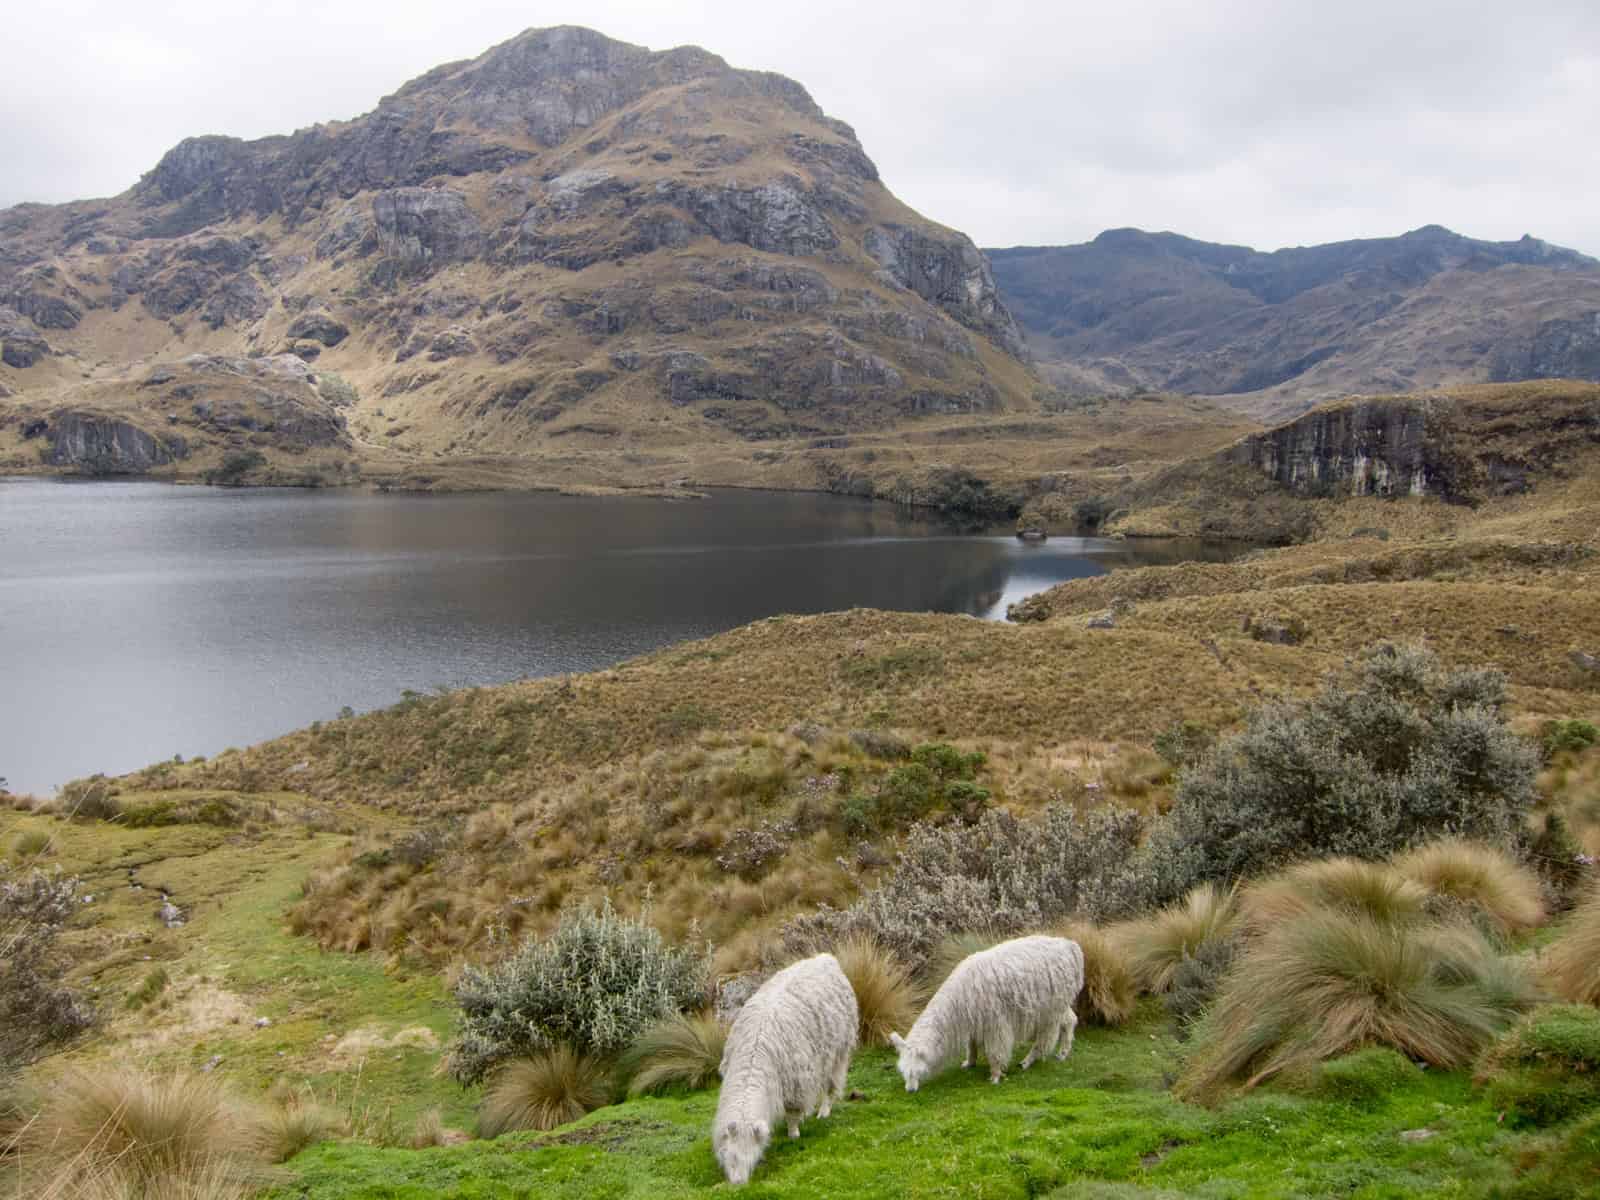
(985, 601)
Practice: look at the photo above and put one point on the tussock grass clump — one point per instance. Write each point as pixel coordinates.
(1110, 990)
(1335, 981)
(429, 1130)
(109, 1131)
(1349, 885)
(543, 1091)
(1481, 877)
(682, 1050)
(30, 843)
(1156, 945)
(297, 1123)
(1571, 966)
(887, 995)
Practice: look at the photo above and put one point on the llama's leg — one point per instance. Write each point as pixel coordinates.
(1043, 1044)
(997, 1045)
(794, 1123)
(972, 1053)
(1068, 1026)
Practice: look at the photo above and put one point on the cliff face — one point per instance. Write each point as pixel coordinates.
(1279, 332)
(1374, 448)
(566, 237)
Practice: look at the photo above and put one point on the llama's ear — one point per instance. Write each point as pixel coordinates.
(898, 1042)
(762, 1131)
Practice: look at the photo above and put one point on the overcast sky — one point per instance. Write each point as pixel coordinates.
(1265, 122)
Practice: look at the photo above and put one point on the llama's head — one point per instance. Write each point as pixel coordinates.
(915, 1066)
(739, 1146)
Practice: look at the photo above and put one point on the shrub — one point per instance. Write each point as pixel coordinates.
(1155, 945)
(1569, 736)
(594, 985)
(35, 1010)
(683, 1051)
(140, 1134)
(1001, 874)
(1571, 964)
(1184, 743)
(1342, 884)
(1546, 1068)
(887, 997)
(543, 1091)
(1334, 981)
(90, 799)
(1396, 752)
(749, 853)
(236, 464)
(1197, 979)
(1486, 880)
(1110, 991)
(31, 843)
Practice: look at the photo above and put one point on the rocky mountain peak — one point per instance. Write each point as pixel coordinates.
(556, 239)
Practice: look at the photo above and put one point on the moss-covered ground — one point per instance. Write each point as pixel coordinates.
(1099, 1124)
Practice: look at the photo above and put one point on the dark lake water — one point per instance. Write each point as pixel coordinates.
(142, 620)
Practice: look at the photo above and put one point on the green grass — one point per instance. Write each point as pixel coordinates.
(1102, 1117)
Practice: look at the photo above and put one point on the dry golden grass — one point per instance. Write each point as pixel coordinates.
(299, 1121)
(887, 995)
(1571, 964)
(429, 1130)
(683, 1050)
(1350, 885)
(543, 1091)
(1155, 946)
(1110, 990)
(1331, 981)
(118, 1131)
(1481, 877)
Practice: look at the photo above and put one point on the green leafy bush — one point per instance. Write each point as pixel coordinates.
(939, 778)
(1398, 751)
(1569, 736)
(593, 985)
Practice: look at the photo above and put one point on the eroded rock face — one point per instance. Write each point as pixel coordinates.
(104, 446)
(949, 272)
(1366, 448)
(426, 227)
(1560, 349)
(21, 346)
(319, 327)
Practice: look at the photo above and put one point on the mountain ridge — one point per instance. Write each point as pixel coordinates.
(1278, 331)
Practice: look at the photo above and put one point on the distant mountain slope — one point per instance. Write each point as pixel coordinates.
(565, 242)
(1281, 331)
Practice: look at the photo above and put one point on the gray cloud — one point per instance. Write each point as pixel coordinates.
(1268, 122)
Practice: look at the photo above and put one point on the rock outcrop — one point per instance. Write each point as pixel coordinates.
(99, 445)
(1369, 448)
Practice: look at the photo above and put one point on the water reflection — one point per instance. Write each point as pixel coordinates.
(138, 620)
